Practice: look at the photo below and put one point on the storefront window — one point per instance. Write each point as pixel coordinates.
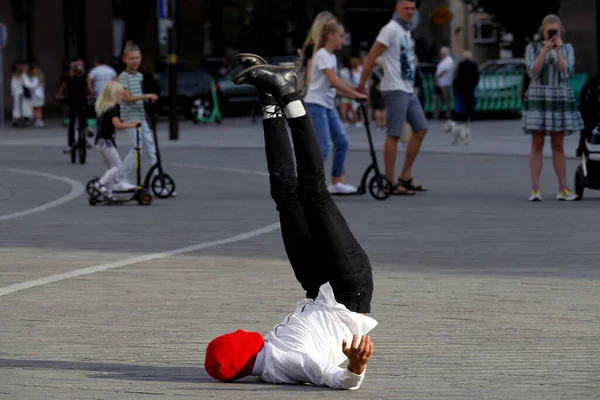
(74, 15)
(21, 38)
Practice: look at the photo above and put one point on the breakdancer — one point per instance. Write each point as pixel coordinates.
(329, 326)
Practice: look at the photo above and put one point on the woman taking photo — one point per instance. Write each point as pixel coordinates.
(550, 107)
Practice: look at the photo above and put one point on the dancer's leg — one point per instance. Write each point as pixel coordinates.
(297, 240)
(348, 265)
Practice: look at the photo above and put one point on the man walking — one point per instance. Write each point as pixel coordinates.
(444, 77)
(99, 75)
(396, 46)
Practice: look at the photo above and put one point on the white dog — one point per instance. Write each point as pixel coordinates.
(460, 132)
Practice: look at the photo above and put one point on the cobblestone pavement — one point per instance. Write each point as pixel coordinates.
(479, 293)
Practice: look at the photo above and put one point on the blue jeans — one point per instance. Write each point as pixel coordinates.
(329, 127)
(147, 148)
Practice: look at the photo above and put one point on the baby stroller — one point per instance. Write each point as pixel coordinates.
(587, 174)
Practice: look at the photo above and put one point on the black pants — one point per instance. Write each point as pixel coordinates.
(78, 113)
(467, 98)
(317, 239)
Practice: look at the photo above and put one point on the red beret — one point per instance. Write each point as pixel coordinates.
(232, 356)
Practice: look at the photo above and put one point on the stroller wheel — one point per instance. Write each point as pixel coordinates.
(378, 185)
(579, 182)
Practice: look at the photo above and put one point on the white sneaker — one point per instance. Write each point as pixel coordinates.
(123, 186)
(101, 188)
(566, 195)
(39, 123)
(351, 188)
(340, 188)
(535, 195)
(358, 124)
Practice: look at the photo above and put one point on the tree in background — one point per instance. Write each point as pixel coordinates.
(518, 17)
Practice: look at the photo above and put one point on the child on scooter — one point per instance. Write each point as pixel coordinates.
(107, 111)
(132, 109)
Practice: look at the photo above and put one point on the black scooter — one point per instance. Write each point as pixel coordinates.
(379, 185)
(162, 184)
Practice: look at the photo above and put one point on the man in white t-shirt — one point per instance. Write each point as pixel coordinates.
(396, 46)
(99, 75)
(444, 77)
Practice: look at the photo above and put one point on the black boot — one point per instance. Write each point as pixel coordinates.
(247, 60)
(278, 81)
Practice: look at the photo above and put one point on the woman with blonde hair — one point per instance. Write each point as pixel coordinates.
(320, 104)
(309, 48)
(549, 106)
(107, 111)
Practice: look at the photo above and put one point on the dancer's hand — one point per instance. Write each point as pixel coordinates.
(152, 97)
(358, 356)
(361, 89)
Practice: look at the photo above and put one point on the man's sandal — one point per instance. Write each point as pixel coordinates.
(399, 190)
(408, 184)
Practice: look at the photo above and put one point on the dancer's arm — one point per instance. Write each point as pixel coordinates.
(342, 87)
(313, 368)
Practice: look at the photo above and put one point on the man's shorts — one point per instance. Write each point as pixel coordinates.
(403, 107)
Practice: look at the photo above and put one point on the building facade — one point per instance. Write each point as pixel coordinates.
(50, 32)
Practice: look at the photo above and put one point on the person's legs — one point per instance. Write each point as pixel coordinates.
(318, 116)
(396, 107)
(112, 160)
(340, 145)
(536, 158)
(71, 128)
(284, 185)
(417, 120)
(466, 99)
(349, 268)
(129, 162)
(148, 146)
(557, 141)
(447, 101)
(344, 261)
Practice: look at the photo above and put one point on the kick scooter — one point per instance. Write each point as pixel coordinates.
(139, 193)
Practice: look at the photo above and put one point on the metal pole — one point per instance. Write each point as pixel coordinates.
(2, 110)
(172, 67)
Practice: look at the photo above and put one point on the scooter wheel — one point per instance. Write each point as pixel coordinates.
(378, 185)
(145, 199)
(579, 182)
(89, 188)
(162, 186)
(93, 200)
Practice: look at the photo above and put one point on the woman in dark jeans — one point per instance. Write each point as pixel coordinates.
(75, 83)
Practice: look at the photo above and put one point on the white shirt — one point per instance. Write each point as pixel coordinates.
(99, 76)
(306, 347)
(398, 59)
(446, 64)
(320, 90)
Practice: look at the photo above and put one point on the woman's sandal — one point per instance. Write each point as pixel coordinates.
(408, 184)
(399, 190)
